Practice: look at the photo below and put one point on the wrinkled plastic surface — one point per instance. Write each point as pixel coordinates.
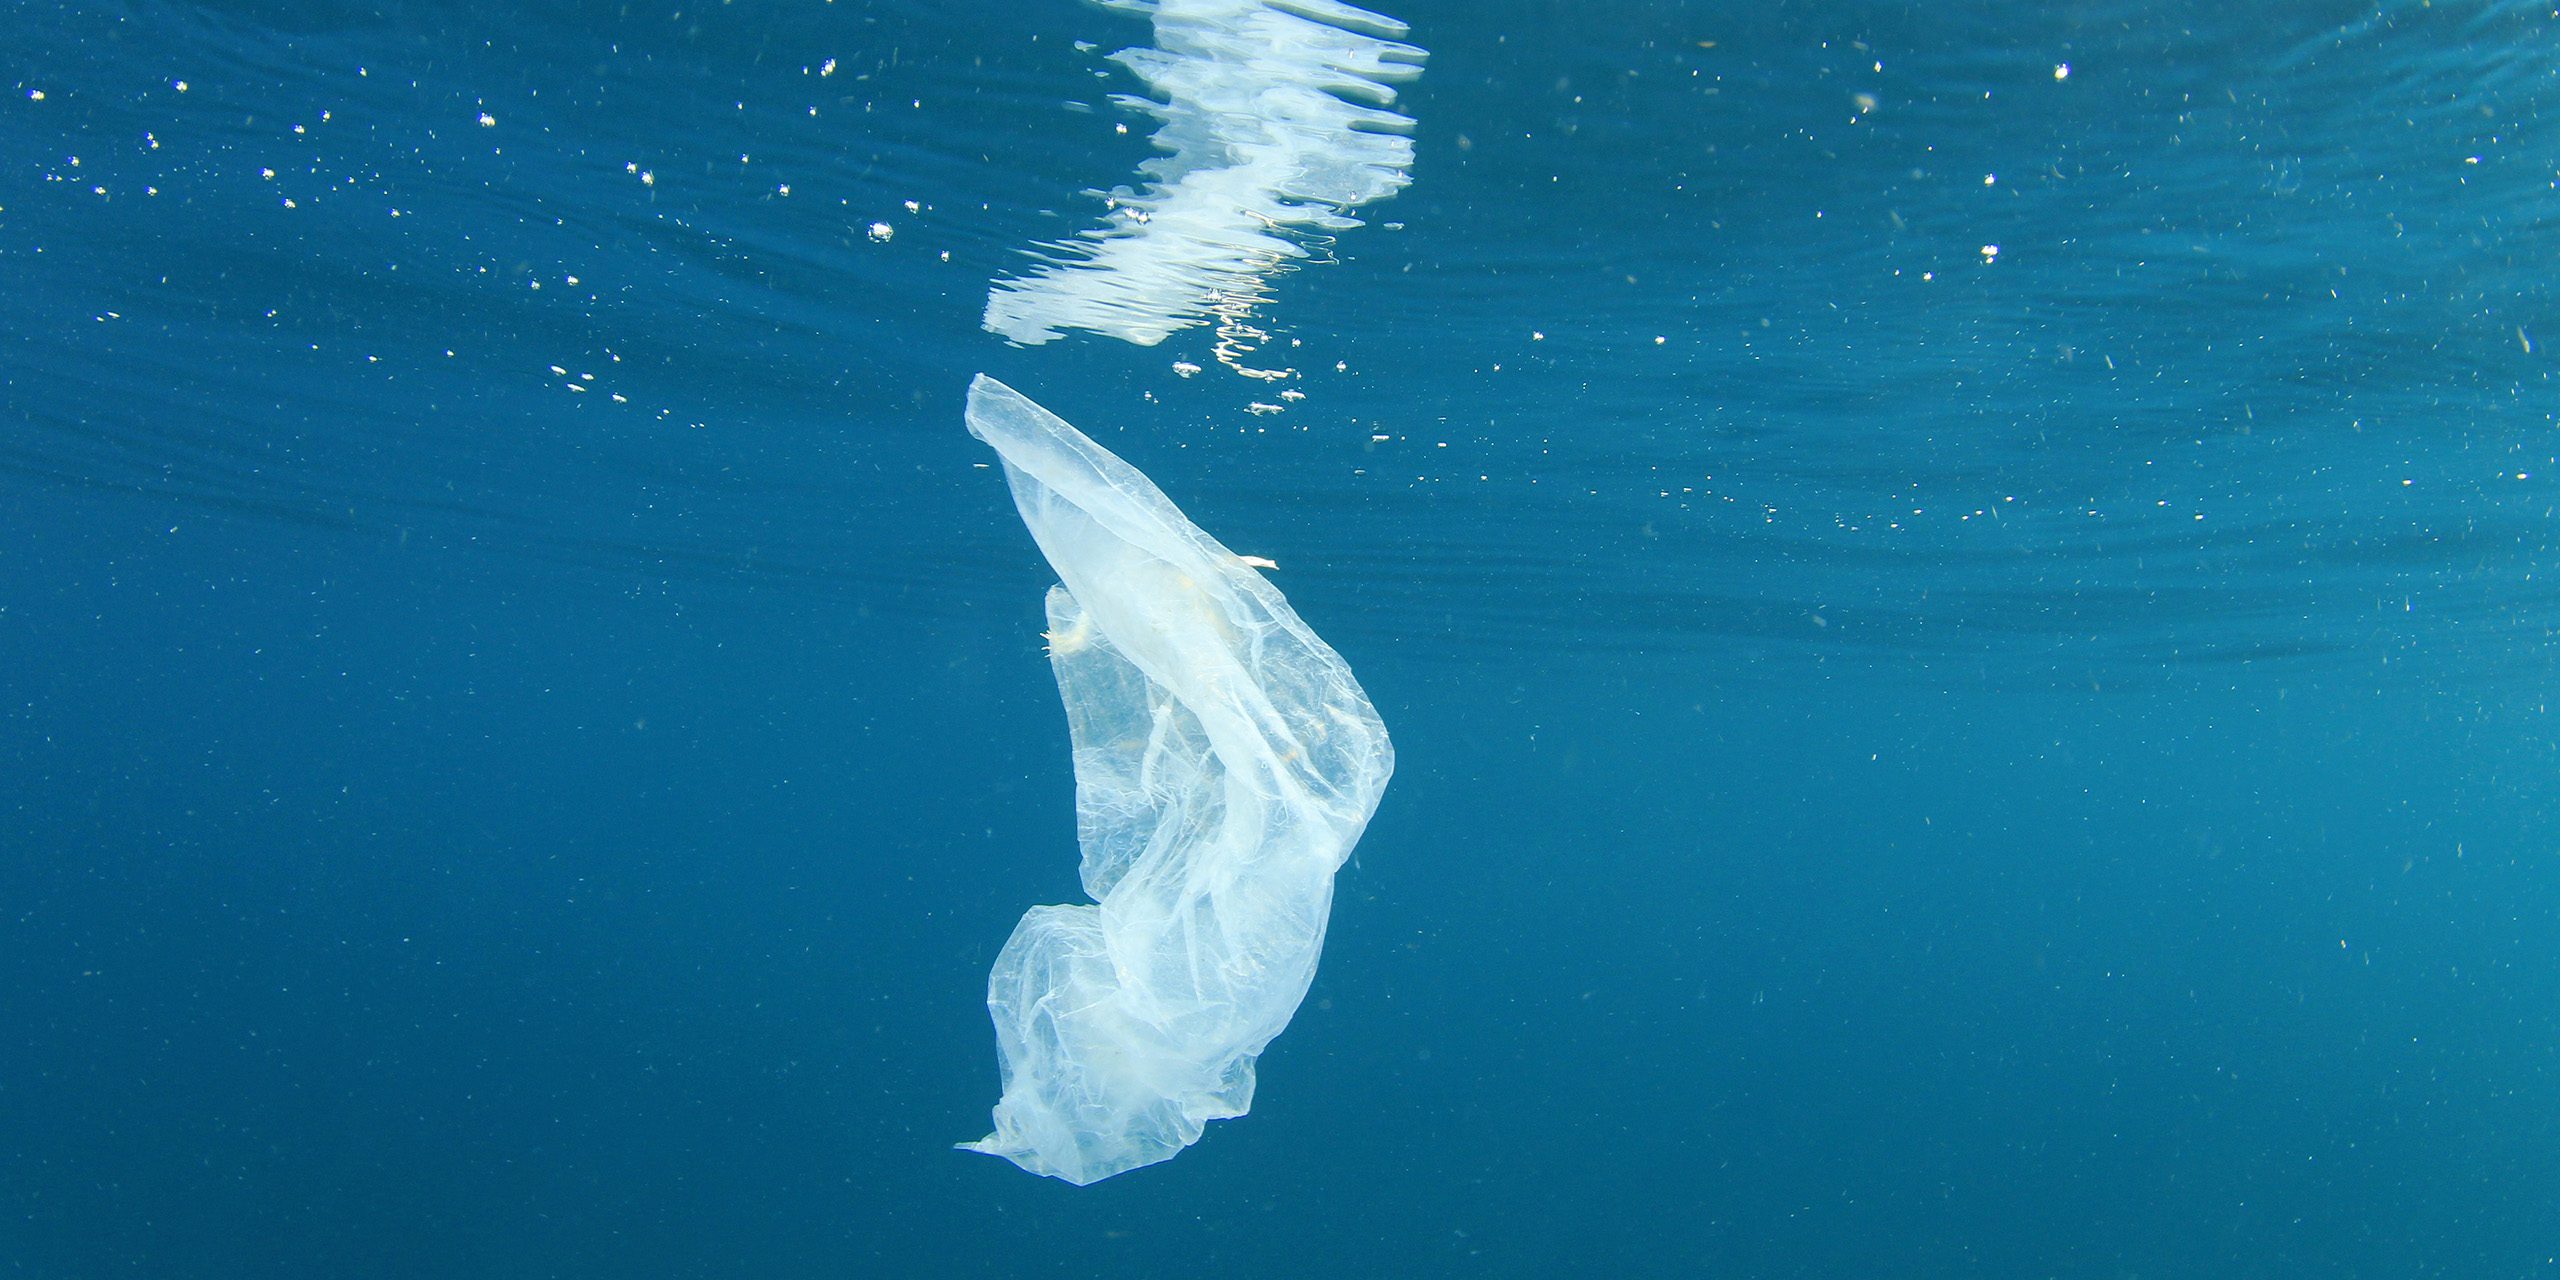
(1225, 763)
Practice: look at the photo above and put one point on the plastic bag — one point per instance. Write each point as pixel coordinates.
(1225, 763)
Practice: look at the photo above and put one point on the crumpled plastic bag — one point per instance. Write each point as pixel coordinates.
(1226, 761)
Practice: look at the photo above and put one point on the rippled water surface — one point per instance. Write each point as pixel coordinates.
(1964, 596)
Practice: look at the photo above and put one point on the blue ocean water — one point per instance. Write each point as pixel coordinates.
(1964, 595)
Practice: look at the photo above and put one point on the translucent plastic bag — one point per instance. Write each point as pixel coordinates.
(1225, 762)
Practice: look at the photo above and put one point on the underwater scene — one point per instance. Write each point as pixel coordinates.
(1504, 639)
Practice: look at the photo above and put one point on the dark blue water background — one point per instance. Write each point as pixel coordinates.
(522, 723)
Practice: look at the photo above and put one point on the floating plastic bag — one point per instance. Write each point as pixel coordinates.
(1225, 762)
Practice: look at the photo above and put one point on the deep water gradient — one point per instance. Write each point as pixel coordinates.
(523, 724)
